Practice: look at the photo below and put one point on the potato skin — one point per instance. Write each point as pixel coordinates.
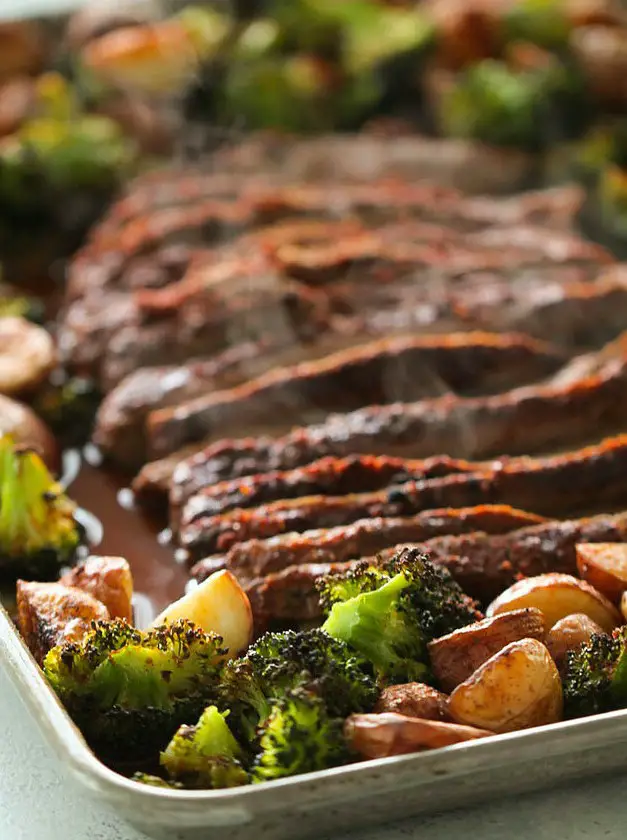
(380, 736)
(50, 613)
(568, 634)
(415, 700)
(109, 580)
(517, 688)
(457, 655)
(604, 566)
(558, 595)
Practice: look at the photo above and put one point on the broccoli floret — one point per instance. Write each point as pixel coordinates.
(130, 691)
(392, 612)
(299, 737)
(38, 531)
(155, 781)
(595, 678)
(282, 661)
(541, 22)
(205, 755)
(69, 408)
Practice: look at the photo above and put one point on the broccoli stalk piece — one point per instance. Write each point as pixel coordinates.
(205, 755)
(595, 678)
(130, 691)
(389, 614)
(38, 532)
(299, 736)
(281, 662)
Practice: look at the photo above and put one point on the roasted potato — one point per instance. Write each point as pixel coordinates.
(457, 655)
(379, 736)
(218, 605)
(108, 579)
(568, 634)
(604, 566)
(27, 355)
(50, 613)
(415, 700)
(517, 688)
(557, 596)
(26, 429)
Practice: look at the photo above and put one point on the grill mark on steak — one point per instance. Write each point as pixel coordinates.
(484, 565)
(256, 558)
(378, 373)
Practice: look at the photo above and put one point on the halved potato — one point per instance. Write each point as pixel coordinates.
(415, 700)
(108, 579)
(557, 596)
(517, 688)
(604, 566)
(568, 634)
(379, 736)
(218, 605)
(457, 655)
(49, 614)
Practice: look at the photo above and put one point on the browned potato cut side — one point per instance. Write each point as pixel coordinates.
(556, 596)
(604, 566)
(517, 688)
(415, 700)
(50, 613)
(109, 580)
(380, 736)
(457, 655)
(27, 355)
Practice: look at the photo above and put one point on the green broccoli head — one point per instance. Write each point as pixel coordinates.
(205, 755)
(299, 736)
(280, 662)
(130, 691)
(595, 678)
(38, 532)
(389, 614)
(69, 408)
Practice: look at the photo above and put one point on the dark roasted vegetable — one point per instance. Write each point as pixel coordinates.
(38, 532)
(69, 408)
(130, 691)
(389, 614)
(205, 755)
(595, 677)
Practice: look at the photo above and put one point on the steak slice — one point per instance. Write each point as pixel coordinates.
(524, 420)
(563, 484)
(404, 368)
(483, 564)
(257, 558)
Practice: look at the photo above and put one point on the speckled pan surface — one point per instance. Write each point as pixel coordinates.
(334, 800)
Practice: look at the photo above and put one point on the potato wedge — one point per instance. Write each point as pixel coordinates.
(108, 579)
(517, 688)
(415, 700)
(604, 566)
(568, 634)
(557, 596)
(379, 736)
(50, 613)
(218, 605)
(457, 655)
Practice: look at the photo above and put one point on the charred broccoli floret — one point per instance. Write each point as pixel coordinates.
(299, 736)
(69, 408)
(389, 614)
(38, 532)
(129, 691)
(595, 679)
(283, 661)
(155, 781)
(205, 755)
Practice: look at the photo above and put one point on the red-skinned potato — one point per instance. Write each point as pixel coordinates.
(569, 634)
(604, 566)
(517, 688)
(415, 700)
(380, 736)
(556, 596)
(457, 655)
